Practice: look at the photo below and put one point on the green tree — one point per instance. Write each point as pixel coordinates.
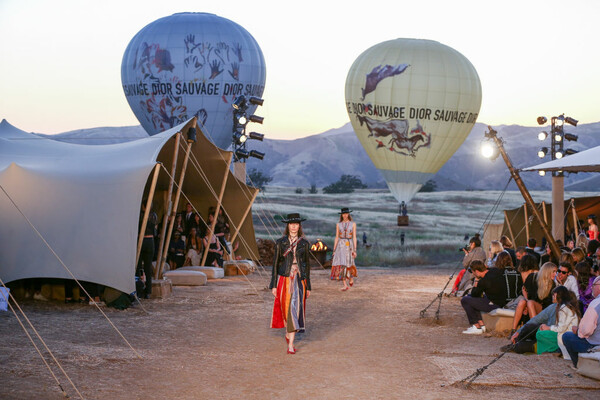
(257, 179)
(429, 186)
(313, 189)
(346, 184)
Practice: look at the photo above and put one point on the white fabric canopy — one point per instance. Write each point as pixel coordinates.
(585, 161)
(85, 201)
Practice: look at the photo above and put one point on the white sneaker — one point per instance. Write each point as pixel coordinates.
(38, 296)
(473, 330)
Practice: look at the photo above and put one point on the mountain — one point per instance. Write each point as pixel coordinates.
(321, 159)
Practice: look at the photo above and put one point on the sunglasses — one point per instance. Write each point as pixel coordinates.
(563, 272)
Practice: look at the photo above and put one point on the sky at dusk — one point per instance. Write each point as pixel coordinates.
(61, 60)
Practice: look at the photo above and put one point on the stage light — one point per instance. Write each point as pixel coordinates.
(571, 137)
(239, 138)
(542, 152)
(257, 101)
(487, 150)
(542, 120)
(558, 154)
(242, 120)
(257, 154)
(558, 137)
(241, 154)
(256, 118)
(191, 135)
(571, 121)
(542, 135)
(256, 136)
(569, 152)
(542, 172)
(559, 121)
(239, 102)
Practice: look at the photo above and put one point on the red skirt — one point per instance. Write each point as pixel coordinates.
(290, 304)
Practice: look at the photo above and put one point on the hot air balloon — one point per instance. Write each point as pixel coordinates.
(191, 64)
(411, 103)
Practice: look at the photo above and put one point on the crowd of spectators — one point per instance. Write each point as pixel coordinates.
(556, 302)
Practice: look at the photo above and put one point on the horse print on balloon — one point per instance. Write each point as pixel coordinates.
(400, 141)
(378, 74)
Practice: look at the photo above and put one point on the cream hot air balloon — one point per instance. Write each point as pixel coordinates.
(412, 103)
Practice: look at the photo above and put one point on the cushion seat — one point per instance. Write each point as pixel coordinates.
(181, 277)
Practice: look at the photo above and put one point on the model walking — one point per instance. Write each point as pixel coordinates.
(290, 280)
(344, 250)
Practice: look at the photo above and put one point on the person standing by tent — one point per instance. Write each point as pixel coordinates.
(147, 251)
(592, 227)
(344, 250)
(290, 280)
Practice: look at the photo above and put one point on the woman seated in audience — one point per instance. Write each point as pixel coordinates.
(176, 251)
(199, 225)
(495, 249)
(549, 338)
(193, 255)
(508, 247)
(585, 282)
(179, 225)
(215, 253)
(565, 277)
(512, 280)
(527, 269)
(578, 255)
(545, 284)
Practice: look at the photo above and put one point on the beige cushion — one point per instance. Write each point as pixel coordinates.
(589, 365)
(181, 277)
(504, 312)
(211, 272)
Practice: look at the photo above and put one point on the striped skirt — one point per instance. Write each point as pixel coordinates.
(289, 305)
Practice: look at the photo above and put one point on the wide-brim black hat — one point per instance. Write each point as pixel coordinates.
(293, 218)
(345, 210)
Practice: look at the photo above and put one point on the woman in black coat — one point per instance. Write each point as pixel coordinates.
(290, 280)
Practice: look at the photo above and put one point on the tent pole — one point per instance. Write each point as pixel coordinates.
(163, 234)
(526, 224)
(512, 236)
(217, 208)
(147, 212)
(575, 227)
(176, 202)
(544, 211)
(243, 219)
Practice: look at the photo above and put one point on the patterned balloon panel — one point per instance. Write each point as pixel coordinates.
(191, 64)
(411, 103)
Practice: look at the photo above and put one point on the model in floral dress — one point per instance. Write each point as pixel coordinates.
(344, 250)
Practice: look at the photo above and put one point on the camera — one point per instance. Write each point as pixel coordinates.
(466, 248)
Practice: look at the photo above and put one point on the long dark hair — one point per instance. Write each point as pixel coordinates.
(584, 273)
(287, 230)
(504, 260)
(565, 297)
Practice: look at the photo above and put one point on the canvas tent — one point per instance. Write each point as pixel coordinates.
(576, 212)
(85, 202)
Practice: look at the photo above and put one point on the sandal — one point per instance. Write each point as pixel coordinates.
(344, 289)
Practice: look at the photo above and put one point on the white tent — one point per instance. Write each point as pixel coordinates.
(585, 161)
(85, 201)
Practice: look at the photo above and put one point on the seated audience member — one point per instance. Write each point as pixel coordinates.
(582, 241)
(548, 256)
(507, 245)
(592, 247)
(585, 281)
(193, 255)
(177, 251)
(495, 249)
(578, 255)
(199, 225)
(570, 244)
(187, 218)
(179, 225)
(524, 339)
(519, 253)
(527, 269)
(549, 337)
(512, 279)
(215, 253)
(588, 332)
(565, 277)
(464, 280)
(531, 249)
(489, 292)
(543, 295)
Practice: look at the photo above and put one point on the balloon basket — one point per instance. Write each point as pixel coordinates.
(402, 220)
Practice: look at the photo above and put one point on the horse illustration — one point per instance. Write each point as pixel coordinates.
(378, 74)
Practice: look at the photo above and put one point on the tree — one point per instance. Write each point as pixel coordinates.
(313, 189)
(346, 184)
(257, 179)
(429, 186)
(299, 190)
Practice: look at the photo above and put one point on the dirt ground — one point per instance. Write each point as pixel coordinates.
(214, 342)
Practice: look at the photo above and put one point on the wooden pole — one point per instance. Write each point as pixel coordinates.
(217, 208)
(243, 219)
(147, 212)
(575, 221)
(163, 234)
(176, 202)
(526, 223)
(512, 236)
(492, 134)
(544, 211)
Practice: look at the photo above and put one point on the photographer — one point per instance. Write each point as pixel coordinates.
(464, 280)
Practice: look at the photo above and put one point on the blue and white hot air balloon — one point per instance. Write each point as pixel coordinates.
(191, 64)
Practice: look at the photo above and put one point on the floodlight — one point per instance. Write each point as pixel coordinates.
(559, 121)
(487, 150)
(558, 137)
(571, 121)
(571, 137)
(242, 120)
(542, 152)
(542, 135)
(542, 120)
(569, 152)
(542, 172)
(256, 118)
(256, 136)
(257, 154)
(239, 138)
(257, 101)
(241, 154)
(239, 102)
(559, 154)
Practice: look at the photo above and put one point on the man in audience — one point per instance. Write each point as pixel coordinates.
(489, 292)
(519, 253)
(588, 332)
(531, 243)
(188, 218)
